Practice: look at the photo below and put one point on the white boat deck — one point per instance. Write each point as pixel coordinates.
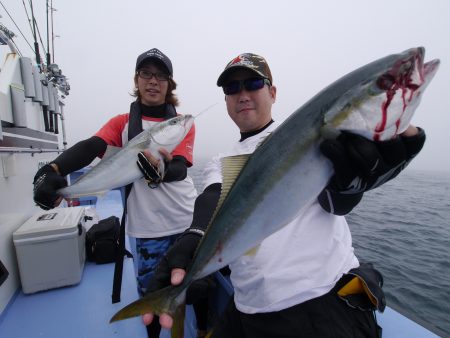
(395, 325)
(77, 311)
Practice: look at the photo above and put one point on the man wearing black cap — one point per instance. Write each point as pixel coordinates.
(288, 288)
(158, 210)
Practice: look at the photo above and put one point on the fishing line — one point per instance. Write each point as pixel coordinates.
(206, 109)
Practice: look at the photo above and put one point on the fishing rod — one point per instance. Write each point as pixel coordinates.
(53, 35)
(36, 45)
(48, 35)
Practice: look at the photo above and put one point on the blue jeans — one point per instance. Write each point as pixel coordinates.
(149, 252)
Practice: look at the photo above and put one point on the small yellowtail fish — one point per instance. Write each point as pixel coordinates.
(376, 101)
(118, 167)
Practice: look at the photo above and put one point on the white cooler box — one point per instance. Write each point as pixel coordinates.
(50, 249)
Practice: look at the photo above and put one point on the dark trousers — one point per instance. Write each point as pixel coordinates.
(154, 328)
(325, 316)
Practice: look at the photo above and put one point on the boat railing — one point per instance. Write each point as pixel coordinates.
(28, 150)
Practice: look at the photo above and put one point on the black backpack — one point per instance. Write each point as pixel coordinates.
(102, 241)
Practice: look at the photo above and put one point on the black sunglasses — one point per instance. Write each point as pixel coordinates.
(250, 85)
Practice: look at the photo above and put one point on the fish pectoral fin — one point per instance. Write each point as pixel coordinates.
(252, 251)
(110, 151)
(99, 194)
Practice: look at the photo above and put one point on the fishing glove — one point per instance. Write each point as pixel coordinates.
(361, 165)
(182, 251)
(178, 256)
(175, 170)
(46, 183)
(150, 172)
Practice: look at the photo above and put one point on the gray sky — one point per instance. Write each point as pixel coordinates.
(308, 44)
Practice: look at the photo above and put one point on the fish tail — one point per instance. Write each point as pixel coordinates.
(178, 322)
(166, 300)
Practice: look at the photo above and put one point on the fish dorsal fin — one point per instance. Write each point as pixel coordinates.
(110, 151)
(231, 168)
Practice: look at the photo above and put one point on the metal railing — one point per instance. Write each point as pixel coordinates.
(29, 150)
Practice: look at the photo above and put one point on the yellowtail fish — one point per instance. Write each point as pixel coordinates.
(118, 167)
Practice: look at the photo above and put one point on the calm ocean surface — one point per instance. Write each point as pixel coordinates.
(403, 228)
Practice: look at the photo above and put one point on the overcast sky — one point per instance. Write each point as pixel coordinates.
(308, 44)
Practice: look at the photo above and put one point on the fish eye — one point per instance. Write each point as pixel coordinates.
(386, 81)
(408, 65)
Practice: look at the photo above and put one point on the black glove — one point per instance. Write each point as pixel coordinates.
(361, 165)
(46, 183)
(178, 256)
(150, 172)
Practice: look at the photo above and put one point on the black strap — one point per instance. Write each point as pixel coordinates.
(135, 120)
(134, 129)
(118, 266)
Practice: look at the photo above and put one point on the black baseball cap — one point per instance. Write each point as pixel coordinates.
(253, 62)
(156, 55)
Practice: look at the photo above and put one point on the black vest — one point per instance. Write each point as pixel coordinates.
(135, 120)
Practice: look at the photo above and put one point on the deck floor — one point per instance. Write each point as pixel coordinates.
(77, 311)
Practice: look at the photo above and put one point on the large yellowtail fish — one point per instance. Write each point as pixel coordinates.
(264, 191)
(118, 167)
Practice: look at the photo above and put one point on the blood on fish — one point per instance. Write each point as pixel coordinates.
(391, 83)
(219, 249)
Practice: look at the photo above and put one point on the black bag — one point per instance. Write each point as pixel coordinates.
(361, 288)
(102, 241)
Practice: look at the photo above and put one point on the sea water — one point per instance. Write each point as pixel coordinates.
(403, 228)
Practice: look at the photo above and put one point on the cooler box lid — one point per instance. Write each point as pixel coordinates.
(51, 222)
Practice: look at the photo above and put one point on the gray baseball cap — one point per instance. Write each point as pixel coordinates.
(156, 55)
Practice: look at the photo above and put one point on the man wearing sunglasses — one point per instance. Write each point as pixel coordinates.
(289, 288)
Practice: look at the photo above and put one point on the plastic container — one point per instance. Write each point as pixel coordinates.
(50, 248)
